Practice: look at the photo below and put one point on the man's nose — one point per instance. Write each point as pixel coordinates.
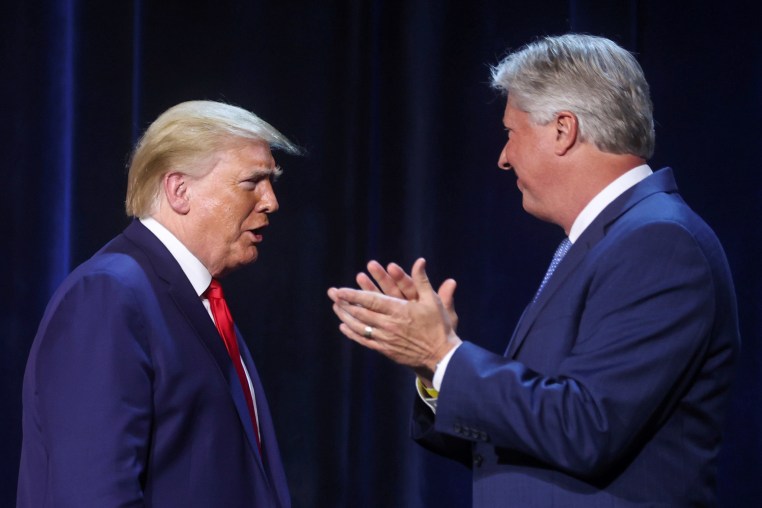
(268, 203)
(502, 161)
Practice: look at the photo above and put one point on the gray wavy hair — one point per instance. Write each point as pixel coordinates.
(186, 137)
(592, 77)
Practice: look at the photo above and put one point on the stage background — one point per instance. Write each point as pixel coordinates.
(391, 102)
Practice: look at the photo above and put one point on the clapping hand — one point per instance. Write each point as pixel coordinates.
(400, 315)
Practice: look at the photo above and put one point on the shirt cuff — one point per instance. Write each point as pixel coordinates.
(431, 395)
(439, 372)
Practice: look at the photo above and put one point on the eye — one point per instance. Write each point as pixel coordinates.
(270, 175)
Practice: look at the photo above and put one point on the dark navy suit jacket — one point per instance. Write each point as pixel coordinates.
(130, 398)
(612, 389)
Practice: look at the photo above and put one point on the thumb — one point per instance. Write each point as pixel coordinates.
(446, 293)
(420, 279)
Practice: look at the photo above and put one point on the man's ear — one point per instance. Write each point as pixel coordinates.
(175, 187)
(567, 130)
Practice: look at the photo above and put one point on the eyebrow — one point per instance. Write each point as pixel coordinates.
(261, 172)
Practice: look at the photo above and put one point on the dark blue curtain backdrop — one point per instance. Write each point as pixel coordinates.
(391, 101)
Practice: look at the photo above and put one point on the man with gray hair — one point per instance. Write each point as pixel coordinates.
(138, 390)
(612, 389)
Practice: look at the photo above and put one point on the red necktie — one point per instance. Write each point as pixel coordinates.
(224, 322)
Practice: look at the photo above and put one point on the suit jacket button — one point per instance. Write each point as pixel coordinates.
(478, 459)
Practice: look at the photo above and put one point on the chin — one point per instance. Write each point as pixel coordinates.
(247, 260)
(234, 264)
(250, 257)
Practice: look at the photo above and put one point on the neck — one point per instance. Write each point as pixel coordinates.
(175, 225)
(590, 177)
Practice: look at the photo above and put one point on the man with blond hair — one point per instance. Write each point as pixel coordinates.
(138, 390)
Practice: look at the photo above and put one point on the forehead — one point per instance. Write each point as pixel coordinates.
(247, 156)
(514, 116)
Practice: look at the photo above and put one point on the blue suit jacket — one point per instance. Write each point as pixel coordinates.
(612, 390)
(130, 398)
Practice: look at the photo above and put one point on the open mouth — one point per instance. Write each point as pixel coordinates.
(257, 233)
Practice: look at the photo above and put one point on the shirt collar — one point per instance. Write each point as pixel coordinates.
(196, 272)
(605, 197)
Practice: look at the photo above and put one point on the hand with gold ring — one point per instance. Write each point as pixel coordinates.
(413, 328)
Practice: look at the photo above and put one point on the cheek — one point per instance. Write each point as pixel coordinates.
(221, 222)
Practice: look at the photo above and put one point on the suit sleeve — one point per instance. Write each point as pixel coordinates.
(422, 430)
(93, 396)
(640, 337)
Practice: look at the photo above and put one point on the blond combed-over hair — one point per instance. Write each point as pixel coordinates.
(186, 138)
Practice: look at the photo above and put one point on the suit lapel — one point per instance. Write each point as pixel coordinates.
(276, 474)
(573, 258)
(191, 307)
(189, 303)
(661, 181)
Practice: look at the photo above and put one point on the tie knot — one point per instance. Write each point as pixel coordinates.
(214, 290)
